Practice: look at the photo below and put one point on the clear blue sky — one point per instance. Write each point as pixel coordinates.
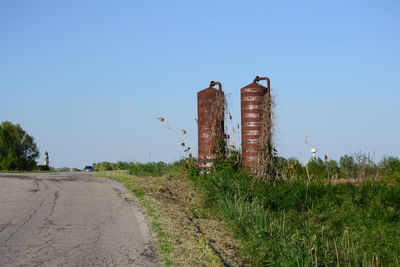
(88, 79)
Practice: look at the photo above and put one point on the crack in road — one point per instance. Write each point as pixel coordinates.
(53, 206)
(5, 226)
(71, 219)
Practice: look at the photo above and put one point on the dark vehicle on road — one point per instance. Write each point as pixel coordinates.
(88, 169)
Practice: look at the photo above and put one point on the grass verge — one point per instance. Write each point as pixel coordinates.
(185, 233)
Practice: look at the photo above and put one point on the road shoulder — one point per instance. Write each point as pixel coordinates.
(185, 234)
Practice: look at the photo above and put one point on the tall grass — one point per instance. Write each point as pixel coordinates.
(292, 224)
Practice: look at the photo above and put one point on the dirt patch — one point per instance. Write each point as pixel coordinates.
(345, 181)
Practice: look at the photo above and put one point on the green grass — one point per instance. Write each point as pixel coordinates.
(292, 224)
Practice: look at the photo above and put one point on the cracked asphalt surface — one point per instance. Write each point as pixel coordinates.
(71, 219)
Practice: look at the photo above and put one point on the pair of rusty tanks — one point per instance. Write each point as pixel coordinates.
(255, 124)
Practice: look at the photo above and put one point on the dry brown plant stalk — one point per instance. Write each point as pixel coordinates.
(266, 168)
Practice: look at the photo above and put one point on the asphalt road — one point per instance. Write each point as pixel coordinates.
(71, 219)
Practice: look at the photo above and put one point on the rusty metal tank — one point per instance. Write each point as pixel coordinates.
(253, 110)
(210, 120)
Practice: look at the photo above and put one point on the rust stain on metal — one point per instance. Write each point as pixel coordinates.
(210, 119)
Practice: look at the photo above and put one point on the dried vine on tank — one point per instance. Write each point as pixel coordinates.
(215, 107)
(266, 168)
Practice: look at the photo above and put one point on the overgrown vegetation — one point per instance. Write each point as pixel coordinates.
(293, 223)
(303, 219)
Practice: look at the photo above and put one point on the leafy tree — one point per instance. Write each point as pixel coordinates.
(18, 150)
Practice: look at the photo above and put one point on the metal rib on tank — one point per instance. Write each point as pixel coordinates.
(252, 115)
(210, 119)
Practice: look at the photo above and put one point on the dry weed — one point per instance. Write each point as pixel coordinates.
(266, 169)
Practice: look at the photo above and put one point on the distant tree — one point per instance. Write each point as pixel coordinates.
(317, 168)
(390, 165)
(18, 150)
(333, 168)
(347, 166)
(43, 168)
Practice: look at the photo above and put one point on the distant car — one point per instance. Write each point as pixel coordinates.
(88, 169)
